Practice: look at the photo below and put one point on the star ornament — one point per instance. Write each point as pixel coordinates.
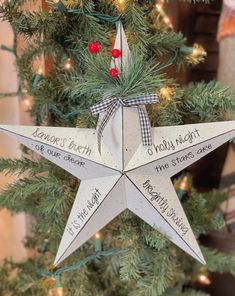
(126, 174)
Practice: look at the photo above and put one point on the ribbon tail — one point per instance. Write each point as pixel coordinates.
(145, 127)
(103, 123)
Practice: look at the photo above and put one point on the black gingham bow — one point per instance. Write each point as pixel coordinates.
(111, 104)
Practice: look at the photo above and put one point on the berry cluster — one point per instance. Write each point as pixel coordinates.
(94, 48)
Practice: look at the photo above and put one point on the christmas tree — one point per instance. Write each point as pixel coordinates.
(127, 257)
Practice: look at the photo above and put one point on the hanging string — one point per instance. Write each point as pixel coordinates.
(69, 115)
(169, 61)
(58, 272)
(62, 8)
(116, 20)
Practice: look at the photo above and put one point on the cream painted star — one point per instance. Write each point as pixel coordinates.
(126, 175)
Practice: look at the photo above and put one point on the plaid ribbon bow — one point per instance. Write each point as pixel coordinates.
(111, 104)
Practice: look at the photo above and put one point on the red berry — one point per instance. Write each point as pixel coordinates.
(116, 53)
(93, 47)
(113, 72)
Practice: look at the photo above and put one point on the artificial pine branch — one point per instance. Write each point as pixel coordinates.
(206, 102)
(209, 219)
(218, 261)
(21, 166)
(153, 238)
(135, 23)
(166, 42)
(141, 77)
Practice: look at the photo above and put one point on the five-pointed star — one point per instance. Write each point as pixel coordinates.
(126, 174)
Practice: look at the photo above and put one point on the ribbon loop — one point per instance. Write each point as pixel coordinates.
(111, 104)
(103, 106)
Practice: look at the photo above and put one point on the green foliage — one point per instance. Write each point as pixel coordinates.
(205, 204)
(136, 24)
(141, 77)
(219, 262)
(166, 42)
(20, 166)
(153, 238)
(205, 102)
(157, 276)
(167, 112)
(197, 102)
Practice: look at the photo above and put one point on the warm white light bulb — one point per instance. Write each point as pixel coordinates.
(204, 279)
(68, 64)
(40, 71)
(166, 93)
(167, 20)
(60, 292)
(195, 51)
(97, 235)
(158, 6)
(27, 102)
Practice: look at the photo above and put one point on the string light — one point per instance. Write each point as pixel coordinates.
(195, 51)
(204, 279)
(184, 185)
(39, 71)
(195, 54)
(120, 4)
(97, 235)
(159, 6)
(166, 93)
(198, 50)
(24, 90)
(27, 102)
(56, 292)
(54, 277)
(68, 64)
(68, 3)
(181, 186)
(59, 291)
(97, 242)
(168, 22)
(203, 276)
(166, 19)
